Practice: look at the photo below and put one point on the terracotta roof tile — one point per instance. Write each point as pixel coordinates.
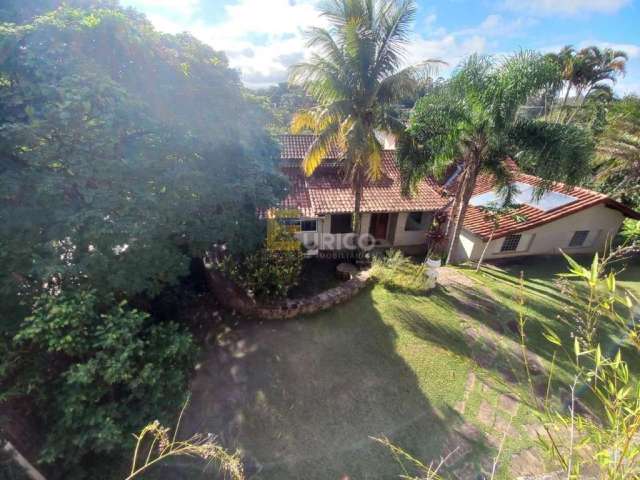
(475, 219)
(326, 192)
(296, 147)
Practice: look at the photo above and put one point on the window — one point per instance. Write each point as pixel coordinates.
(415, 222)
(579, 238)
(289, 222)
(341, 223)
(510, 243)
(298, 225)
(308, 225)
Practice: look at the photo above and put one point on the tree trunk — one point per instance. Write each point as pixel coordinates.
(358, 186)
(467, 186)
(456, 205)
(563, 104)
(484, 250)
(579, 104)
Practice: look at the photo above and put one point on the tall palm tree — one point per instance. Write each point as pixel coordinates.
(473, 120)
(355, 75)
(586, 72)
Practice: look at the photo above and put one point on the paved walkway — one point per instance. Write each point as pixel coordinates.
(491, 350)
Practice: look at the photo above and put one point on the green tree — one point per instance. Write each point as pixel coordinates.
(586, 73)
(96, 374)
(126, 153)
(473, 119)
(618, 152)
(355, 76)
(283, 101)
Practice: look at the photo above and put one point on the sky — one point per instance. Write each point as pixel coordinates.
(262, 38)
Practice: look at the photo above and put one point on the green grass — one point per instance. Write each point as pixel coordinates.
(301, 398)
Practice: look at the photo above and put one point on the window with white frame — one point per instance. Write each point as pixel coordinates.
(578, 238)
(510, 243)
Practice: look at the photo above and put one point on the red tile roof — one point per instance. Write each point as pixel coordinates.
(475, 219)
(326, 192)
(296, 146)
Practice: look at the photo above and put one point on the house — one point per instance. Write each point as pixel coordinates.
(575, 219)
(325, 202)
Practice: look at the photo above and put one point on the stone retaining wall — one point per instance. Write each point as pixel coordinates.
(230, 296)
(315, 303)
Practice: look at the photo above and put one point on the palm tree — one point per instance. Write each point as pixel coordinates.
(355, 76)
(587, 72)
(472, 120)
(618, 161)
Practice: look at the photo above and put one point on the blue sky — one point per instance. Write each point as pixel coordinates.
(263, 37)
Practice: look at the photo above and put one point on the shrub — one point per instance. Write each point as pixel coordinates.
(96, 374)
(267, 273)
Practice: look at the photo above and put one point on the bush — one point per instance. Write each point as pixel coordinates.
(96, 374)
(270, 273)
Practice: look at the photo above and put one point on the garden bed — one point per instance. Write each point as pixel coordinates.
(317, 276)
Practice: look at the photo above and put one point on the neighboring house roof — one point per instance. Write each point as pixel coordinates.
(476, 221)
(326, 192)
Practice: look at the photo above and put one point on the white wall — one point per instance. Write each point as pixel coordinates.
(405, 238)
(548, 239)
(324, 230)
(402, 237)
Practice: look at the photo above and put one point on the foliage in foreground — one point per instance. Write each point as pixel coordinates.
(155, 444)
(95, 373)
(596, 428)
(126, 152)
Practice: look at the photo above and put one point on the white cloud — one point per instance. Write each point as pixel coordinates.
(497, 26)
(627, 86)
(632, 50)
(167, 15)
(453, 47)
(448, 48)
(261, 38)
(565, 7)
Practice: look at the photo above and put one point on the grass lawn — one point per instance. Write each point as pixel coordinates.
(302, 398)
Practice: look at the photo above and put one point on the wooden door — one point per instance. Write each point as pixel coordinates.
(379, 224)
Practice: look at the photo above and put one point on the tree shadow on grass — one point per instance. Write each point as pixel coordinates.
(302, 398)
(533, 283)
(460, 301)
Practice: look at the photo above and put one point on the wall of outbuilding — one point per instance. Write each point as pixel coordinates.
(602, 223)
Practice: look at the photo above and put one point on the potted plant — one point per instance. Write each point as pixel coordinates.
(435, 241)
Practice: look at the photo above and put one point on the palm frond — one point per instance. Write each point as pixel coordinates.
(552, 151)
(393, 36)
(320, 149)
(515, 80)
(405, 82)
(374, 160)
(302, 121)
